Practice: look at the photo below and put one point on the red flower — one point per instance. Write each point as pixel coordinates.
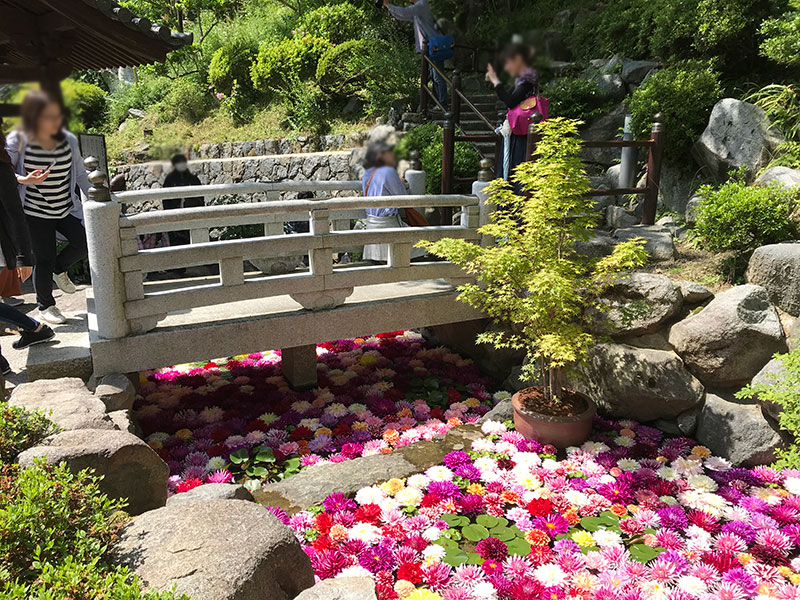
(394, 531)
(453, 396)
(368, 513)
(430, 500)
(323, 522)
(210, 365)
(323, 542)
(342, 430)
(410, 572)
(437, 413)
(540, 507)
(540, 555)
(385, 592)
(301, 433)
(187, 485)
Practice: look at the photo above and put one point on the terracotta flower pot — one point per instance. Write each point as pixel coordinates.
(556, 430)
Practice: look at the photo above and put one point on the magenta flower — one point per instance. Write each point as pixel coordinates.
(493, 549)
(553, 524)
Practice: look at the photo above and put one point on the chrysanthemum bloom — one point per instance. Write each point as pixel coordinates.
(221, 476)
(552, 525)
(492, 548)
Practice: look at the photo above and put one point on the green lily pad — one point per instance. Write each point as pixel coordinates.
(455, 557)
(644, 554)
(502, 533)
(475, 533)
(519, 547)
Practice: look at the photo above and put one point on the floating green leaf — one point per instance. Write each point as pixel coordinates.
(454, 557)
(455, 520)
(519, 547)
(239, 456)
(475, 533)
(502, 533)
(644, 554)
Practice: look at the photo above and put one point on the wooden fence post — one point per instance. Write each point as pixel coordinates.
(456, 102)
(424, 77)
(533, 136)
(653, 171)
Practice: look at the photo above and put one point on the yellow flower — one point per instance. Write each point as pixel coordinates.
(795, 578)
(392, 486)
(472, 402)
(584, 539)
(359, 426)
(368, 360)
(323, 430)
(184, 434)
(785, 571)
(537, 537)
(155, 444)
(745, 558)
(662, 459)
(423, 594)
(701, 451)
(476, 488)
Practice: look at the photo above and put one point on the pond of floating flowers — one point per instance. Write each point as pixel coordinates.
(627, 516)
(239, 419)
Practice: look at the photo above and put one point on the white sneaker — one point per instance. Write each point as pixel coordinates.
(64, 283)
(52, 315)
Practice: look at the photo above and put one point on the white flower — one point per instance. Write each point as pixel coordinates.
(606, 537)
(668, 473)
(669, 500)
(439, 473)
(716, 463)
(370, 495)
(337, 409)
(502, 395)
(484, 591)
(431, 534)
(628, 464)
(692, 585)
(702, 483)
(301, 406)
(577, 498)
(434, 552)
(624, 441)
(550, 575)
(418, 481)
(594, 447)
(160, 436)
(792, 485)
(409, 496)
(215, 464)
(493, 428)
(550, 464)
(354, 571)
(485, 464)
(685, 466)
(312, 424)
(482, 445)
(356, 408)
(366, 532)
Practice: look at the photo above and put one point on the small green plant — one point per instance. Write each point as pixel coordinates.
(784, 390)
(787, 155)
(575, 98)
(532, 279)
(782, 105)
(685, 93)
(187, 99)
(740, 218)
(20, 430)
(261, 463)
(336, 23)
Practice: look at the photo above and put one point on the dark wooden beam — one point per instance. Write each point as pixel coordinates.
(9, 110)
(15, 74)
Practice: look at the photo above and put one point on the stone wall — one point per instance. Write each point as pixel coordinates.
(324, 166)
(303, 143)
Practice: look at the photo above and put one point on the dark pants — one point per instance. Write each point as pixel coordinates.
(15, 318)
(439, 84)
(48, 262)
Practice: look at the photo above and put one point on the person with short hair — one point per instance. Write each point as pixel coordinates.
(419, 12)
(181, 176)
(52, 183)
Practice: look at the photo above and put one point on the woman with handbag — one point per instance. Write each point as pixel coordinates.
(522, 101)
(381, 179)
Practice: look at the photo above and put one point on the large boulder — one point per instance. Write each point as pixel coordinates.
(611, 86)
(116, 391)
(617, 217)
(793, 337)
(694, 293)
(738, 133)
(772, 373)
(605, 127)
(784, 176)
(690, 213)
(215, 550)
(675, 187)
(66, 402)
(212, 491)
(639, 304)
(634, 71)
(737, 431)
(130, 468)
(341, 588)
(727, 342)
(658, 240)
(776, 267)
(637, 383)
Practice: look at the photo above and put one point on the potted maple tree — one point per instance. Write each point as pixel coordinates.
(534, 281)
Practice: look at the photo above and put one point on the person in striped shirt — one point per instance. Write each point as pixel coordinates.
(49, 173)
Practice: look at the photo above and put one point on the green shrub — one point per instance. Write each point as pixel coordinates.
(187, 100)
(575, 98)
(740, 218)
(230, 64)
(85, 104)
(782, 105)
(280, 67)
(20, 430)
(783, 390)
(787, 155)
(143, 95)
(782, 37)
(48, 514)
(336, 23)
(309, 108)
(418, 139)
(685, 93)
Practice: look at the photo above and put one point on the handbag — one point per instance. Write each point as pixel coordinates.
(519, 117)
(415, 218)
(441, 47)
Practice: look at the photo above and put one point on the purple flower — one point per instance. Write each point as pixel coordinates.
(552, 525)
(280, 513)
(468, 471)
(738, 576)
(376, 558)
(456, 458)
(492, 549)
(337, 502)
(444, 489)
(673, 517)
(471, 504)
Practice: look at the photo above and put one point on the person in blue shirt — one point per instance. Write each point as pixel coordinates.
(419, 12)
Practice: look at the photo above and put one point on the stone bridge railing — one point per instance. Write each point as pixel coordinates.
(124, 306)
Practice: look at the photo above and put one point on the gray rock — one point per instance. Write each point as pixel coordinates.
(640, 303)
(784, 176)
(737, 431)
(341, 588)
(637, 383)
(653, 341)
(503, 411)
(215, 550)
(690, 214)
(728, 341)
(597, 246)
(738, 133)
(772, 373)
(611, 176)
(618, 217)
(611, 86)
(776, 267)
(123, 420)
(659, 243)
(116, 391)
(634, 71)
(668, 426)
(687, 421)
(694, 293)
(129, 467)
(605, 127)
(675, 187)
(66, 402)
(212, 491)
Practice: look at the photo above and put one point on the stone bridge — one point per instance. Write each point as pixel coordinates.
(135, 323)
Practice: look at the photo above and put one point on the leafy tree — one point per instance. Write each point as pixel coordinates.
(532, 278)
(782, 37)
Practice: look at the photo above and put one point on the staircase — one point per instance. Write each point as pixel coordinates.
(486, 101)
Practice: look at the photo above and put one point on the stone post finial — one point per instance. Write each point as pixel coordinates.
(485, 173)
(99, 191)
(90, 163)
(414, 160)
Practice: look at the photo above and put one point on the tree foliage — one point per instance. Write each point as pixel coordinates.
(532, 278)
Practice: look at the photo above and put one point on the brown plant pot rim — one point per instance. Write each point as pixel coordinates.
(590, 411)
